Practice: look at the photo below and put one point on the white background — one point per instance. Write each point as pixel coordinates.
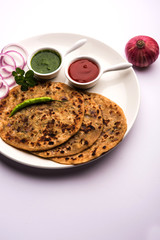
(118, 197)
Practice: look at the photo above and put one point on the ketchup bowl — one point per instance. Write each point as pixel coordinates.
(84, 71)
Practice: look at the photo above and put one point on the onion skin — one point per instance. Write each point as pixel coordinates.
(142, 51)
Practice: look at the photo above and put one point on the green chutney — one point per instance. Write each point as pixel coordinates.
(45, 61)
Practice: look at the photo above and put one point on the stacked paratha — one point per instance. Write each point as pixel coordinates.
(90, 130)
(77, 128)
(114, 128)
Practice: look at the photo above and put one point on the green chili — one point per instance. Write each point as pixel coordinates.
(29, 102)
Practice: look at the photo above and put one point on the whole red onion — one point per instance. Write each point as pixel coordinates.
(142, 51)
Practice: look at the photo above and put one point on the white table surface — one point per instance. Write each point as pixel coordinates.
(117, 197)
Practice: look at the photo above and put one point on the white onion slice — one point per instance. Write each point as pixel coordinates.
(1, 81)
(3, 70)
(10, 81)
(11, 56)
(20, 62)
(4, 90)
(7, 70)
(17, 47)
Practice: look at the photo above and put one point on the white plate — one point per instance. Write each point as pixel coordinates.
(121, 87)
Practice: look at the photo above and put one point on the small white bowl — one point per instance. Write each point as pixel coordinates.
(120, 66)
(87, 84)
(45, 76)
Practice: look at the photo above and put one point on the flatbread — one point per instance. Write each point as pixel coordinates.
(89, 132)
(114, 129)
(41, 126)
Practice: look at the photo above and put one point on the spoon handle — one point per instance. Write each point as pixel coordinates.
(77, 44)
(120, 66)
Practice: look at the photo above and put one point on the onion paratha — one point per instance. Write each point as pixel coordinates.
(42, 126)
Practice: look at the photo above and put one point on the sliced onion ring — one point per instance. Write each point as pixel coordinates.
(8, 69)
(10, 65)
(10, 81)
(4, 68)
(22, 65)
(4, 90)
(1, 81)
(18, 46)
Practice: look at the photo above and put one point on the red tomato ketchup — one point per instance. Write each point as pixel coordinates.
(83, 70)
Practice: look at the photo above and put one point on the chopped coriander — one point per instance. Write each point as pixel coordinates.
(26, 80)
